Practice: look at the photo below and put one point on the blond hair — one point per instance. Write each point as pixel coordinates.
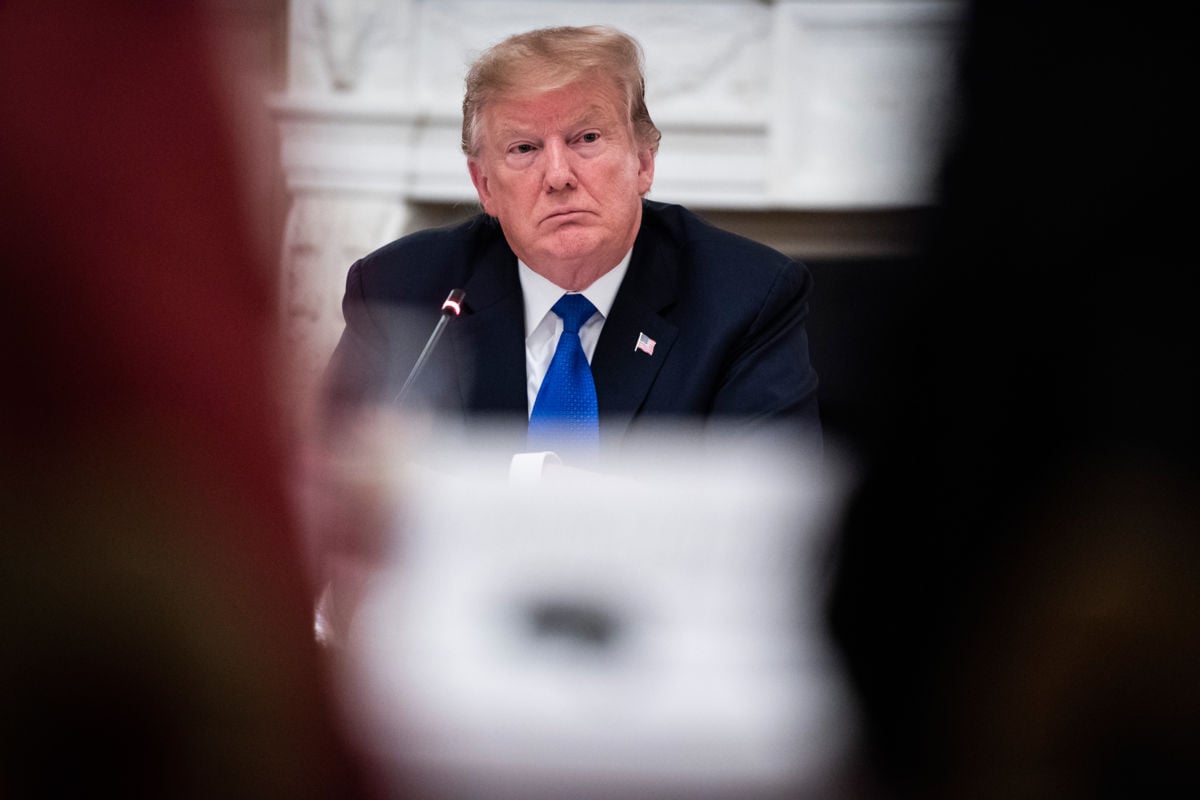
(550, 58)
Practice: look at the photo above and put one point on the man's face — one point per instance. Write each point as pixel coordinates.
(562, 173)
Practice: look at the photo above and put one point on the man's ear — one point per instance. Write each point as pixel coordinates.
(481, 185)
(645, 170)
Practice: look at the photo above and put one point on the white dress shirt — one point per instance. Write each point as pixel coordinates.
(543, 326)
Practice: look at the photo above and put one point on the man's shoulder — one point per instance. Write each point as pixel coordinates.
(422, 264)
(431, 246)
(685, 228)
(705, 247)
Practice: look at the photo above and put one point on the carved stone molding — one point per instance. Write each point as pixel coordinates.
(864, 104)
(351, 46)
(325, 233)
(808, 104)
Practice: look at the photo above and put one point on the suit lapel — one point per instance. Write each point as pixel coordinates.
(489, 340)
(623, 373)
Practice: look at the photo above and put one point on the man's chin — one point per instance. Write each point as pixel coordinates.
(573, 247)
(574, 267)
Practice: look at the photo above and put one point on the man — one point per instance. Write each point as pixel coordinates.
(681, 320)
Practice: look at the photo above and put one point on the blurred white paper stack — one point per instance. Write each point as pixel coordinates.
(651, 632)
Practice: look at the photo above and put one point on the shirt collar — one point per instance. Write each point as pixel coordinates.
(541, 294)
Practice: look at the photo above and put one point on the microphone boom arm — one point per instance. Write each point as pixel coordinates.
(451, 307)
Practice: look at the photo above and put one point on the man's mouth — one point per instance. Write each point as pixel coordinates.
(566, 212)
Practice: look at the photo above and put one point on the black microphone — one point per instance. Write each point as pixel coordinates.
(451, 307)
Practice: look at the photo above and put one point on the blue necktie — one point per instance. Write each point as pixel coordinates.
(565, 414)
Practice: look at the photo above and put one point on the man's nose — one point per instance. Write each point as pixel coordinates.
(560, 173)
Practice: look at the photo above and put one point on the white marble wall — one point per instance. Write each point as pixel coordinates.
(787, 106)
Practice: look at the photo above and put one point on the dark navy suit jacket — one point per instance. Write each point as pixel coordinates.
(726, 314)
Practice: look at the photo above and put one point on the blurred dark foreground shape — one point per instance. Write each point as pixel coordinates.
(1019, 596)
(154, 609)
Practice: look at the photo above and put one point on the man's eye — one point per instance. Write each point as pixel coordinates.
(590, 137)
(523, 148)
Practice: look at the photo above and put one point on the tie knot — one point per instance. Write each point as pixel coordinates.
(574, 309)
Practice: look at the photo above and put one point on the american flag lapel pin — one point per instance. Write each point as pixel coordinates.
(645, 344)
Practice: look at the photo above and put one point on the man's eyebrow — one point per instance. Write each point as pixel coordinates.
(593, 115)
(590, 114)
(512, 132)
